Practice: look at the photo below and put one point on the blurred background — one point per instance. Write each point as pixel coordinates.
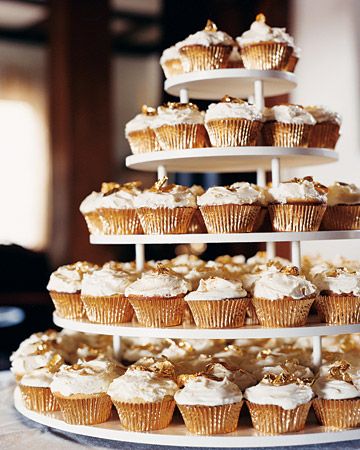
(73, 72)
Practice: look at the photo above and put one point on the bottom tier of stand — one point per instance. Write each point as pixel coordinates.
(176, 434)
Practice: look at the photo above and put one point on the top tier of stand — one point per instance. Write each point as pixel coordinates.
(214, 84)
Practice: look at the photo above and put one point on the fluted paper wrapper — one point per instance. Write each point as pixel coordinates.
(341, 217)
(338, 309)
(324, 135)
(266, 56)
(94, 222)
(231, 132)
(296, 216)
(200, 419)
(120, 221)
(85, 409)
(228, 313)
(145, 416)
(200, 57)
(68, 305)
(251, 317)
(197, 224)
(182, 136)
(143, 141)
(291, 65)
(158, 312)
(338, 413)
(260, 218)
(38, 399)
(272, 419)
(230, 218)
(278, 134)
(172, 67)
(110, 309)
(285, 312)
(165, 220)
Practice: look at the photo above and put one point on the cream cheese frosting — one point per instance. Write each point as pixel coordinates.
(105, 282)
(339, 281)
(207, 37)
(216, 288)
(343, 194)
(298, 190)
(28, 363)
(323, 114)
(91, 202)
(122, 198)
(240, 377)
(177, 114)
(68, 282)
(158, 284)
(169, 54)
(330, 389)
(238, 193)
(232, 110)
(141, 121)
(178, 350)
(262, 258)
(171, 196)
(293, 114)
(41, 377)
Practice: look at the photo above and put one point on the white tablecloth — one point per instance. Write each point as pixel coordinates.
(19, 433)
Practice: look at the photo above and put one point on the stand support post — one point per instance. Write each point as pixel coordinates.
(316, 353)
(161, 172)
(184, 96)
(140, 257)
(296, 253)
(117, 347)
(275, 171)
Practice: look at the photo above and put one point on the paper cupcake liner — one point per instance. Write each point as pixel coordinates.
(291, 65)
(272, 419)
(285, 312)
(338, 309)
(94, 222)
(120, 221)
(84, 409)
(111, 309)
(172, 67)
(145, 416)
(266, 56)
(188, 318)
(38, 398)
(182, 136)
(260, 218)
(338, 413)
(227, 313)
(197, 224)
(158, 312)
(251, 318)
(342, 217)
(165, 220)
(230, 218)
(296, 216)
(220, 419)
(231, 132)
(278, 134)
(143, 141)
(324, 135)
(68, 305)
(199, 57)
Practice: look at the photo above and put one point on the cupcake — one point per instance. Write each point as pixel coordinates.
(197, 224)
(265, 48)
(230, 209)
(283, 299)
(178, 350)
(287, 126)
(165, 209)
(209, 405)
(233, 123)
(297, 205)
(343, 211)
(139, 131)
(293, 60)
(337, 402)
(218, 303)
(144, 398)
(89, 209)
(103, 296)
(206, 50)
(280, 403)
(133, 349)
(180, 126)
(235, 61)
(117, 210)
(326, 131)
(338, 302)
(170, 62)
(240, 377)
(158, 298)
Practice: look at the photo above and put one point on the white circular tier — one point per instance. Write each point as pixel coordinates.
(229, 159)
(176, 434)
(223, 238)
(214, 84)
(191, 332)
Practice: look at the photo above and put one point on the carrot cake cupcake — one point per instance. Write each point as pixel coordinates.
(139, 132)
(343, 211)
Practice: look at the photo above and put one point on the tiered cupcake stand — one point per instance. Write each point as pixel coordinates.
(213, 85)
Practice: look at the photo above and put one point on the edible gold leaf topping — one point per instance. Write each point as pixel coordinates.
(148, 110)
(228, 99)
(108, 188)
(290, 270)
(260, 18)
(178, 105)
(318, 186)
(55, 363)
(348, 344)
(284, 378)
(234, 348)
(263, 354)
(339, 371)
(210, 26)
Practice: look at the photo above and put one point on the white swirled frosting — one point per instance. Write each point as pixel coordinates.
(338, 281)
(275, 286)
(63, 280)
(206, 38)
(261, 32)
(343, 194)
(41, 377)
(330, 389)
(169, 54)
(241, 378)
(288, 396)
(140, 122)
(176, 116)
(232, 110)
(216, 288)
(28, 363)
(238, 194)
(91, 202)
(204, 391)
(293, 114)
(158, 284)
(105, 282)
(177, 196)
(322, 114)
(120, 199)
(297, 191)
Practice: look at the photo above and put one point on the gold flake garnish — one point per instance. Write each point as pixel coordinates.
(148, 110)
(210, 26)
(290, 270)
(320, 188)
(108, 188)
(263, 354)
(55, 362)
(229, 99)
(178, 105)
(234, 348)
(260, 18)
(339, 371)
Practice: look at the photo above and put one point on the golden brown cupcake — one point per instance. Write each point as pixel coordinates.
(343, 211)
(326, 131)
(139, 132)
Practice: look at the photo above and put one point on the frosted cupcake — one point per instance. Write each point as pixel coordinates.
(144, 399)
(205, 50)
(287, 126)
(343, 211)
(326, 131)
(197, 224)
(89, 209)
(139, 132)
(117, 210)
(240, 377)
(158, 298)
(180, 126)
(297, 205)
(338, 301)
(230, 209)
(294, 59)
(232, 123)
(337, 404)
(165, 209)
(218, 303)
(283, 299)
(170, 62)
(265, 48)
(135, 348)
(103, 295)
(280, 403)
